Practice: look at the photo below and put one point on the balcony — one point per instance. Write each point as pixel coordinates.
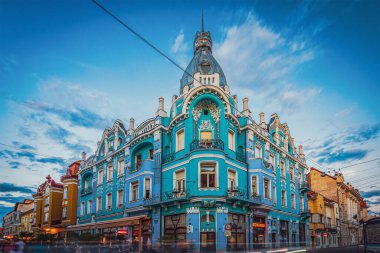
(240, 157)
(86, 191)
(176, 195)
(168, 158)
(304, 187)
(207, 144)
(304, 214)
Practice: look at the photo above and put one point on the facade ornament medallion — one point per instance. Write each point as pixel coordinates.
(209, 105)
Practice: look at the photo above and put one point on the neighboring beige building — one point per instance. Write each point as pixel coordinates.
(351, 206)
(26, 220)
(12, 222)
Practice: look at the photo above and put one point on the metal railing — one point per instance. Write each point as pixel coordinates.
(86, 191)
(174, 195)
(168, 158)
(240, 157)
(207, 144)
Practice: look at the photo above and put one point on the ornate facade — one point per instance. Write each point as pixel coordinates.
(203, 173)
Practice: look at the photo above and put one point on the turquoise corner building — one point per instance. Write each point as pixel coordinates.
(204, 174)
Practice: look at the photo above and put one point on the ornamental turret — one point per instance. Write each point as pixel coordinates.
(203, 69)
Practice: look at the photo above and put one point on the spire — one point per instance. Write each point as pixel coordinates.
(203, 27)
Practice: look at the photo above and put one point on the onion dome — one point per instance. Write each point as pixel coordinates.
(203, 67)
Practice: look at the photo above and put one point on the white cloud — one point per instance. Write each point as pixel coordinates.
(180, 49)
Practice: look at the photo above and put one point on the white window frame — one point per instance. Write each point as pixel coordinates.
(82, 206)
(120, 171)
(100, 177)
(120, 204)
(281, 163)
(269, 188)
(216, 175)
(177, 148)
(231, 142)
(258, 155)
(176, 179)
(236, 178)
(274, 188)
(110, 175)
(99, 203)
(291, 173)
(150, 185)
(257, 185)
(65, 192)
(109, 199)
(89, 206)
(283, 199)
(293, 201)
(131, 191)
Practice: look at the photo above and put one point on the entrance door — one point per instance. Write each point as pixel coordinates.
(208, 242)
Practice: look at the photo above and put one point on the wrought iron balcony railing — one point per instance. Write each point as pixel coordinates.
(207, 144)
(168, 158)
(86, 191)
(240, 157)
(304, 187)
(174, 195)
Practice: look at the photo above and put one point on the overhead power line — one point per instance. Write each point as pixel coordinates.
(361, 163)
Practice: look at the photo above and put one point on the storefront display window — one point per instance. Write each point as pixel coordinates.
(237, 239)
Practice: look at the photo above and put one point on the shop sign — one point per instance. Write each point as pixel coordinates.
(227, 233)
(122, 232)
(227, 227)
(324, 234)
(258, 225)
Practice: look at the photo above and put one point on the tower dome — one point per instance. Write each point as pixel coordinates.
(203, 68)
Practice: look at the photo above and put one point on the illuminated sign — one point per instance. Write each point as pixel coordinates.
(258, 225)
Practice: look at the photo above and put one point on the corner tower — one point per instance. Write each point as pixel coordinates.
(203, 68)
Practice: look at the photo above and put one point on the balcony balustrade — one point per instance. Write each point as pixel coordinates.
(240, 157)
(167, 197)
(207, 144)
(168, 158)
(304, 187)
(86, 191)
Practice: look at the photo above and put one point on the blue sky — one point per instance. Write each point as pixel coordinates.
(67, 71)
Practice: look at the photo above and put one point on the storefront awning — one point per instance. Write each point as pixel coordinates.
(122, 222)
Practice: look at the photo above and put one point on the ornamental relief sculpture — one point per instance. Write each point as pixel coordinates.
(209, 105)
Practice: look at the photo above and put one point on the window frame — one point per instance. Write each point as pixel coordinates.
(216, 164)
(235, 180)
(150, 188)
(176, 179)
(109, 199)
(131, 199)
(110, 172)
(231, 140)
(177, 133)
(99, 203)
(258, 155)
(256, 192)
(265, 179)
(120, 171)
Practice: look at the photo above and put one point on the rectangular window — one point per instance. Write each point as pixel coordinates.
(138, 161)
(147, 193)
(206, 136)
(258, 152)
(120, 167)
(47, 199)
(82, 208)
(283, 198)
(254, 186)
(134, 191)
(46, 217)
(274, 195)
(291, 173)
(64, 213)
(293, 201)
(151, 154)
(180, 181)
(109, 201)
(232, 180)
(283, 168)
(300, 177)
(89, 204)
(120, 198)
(100, 177)
(109, 173)
(99, 204)
(266, 188)
(231, 140)
(302, 208)
(208, 175)
(180, 140)
(86, 184)
(65, 193)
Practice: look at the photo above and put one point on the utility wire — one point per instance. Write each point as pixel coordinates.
(360, 163)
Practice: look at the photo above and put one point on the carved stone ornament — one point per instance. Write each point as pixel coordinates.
(222, 209)
(209, 105)
(206, 125)
(192, 210)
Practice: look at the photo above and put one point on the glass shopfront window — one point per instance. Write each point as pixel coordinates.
(284, 233)
(175, 227)
(259, 227)
(236, 242)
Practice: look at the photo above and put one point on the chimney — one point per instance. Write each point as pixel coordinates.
(262, 121)
(132, 124)
(246, 111)
(83, 156)
(160, 111)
